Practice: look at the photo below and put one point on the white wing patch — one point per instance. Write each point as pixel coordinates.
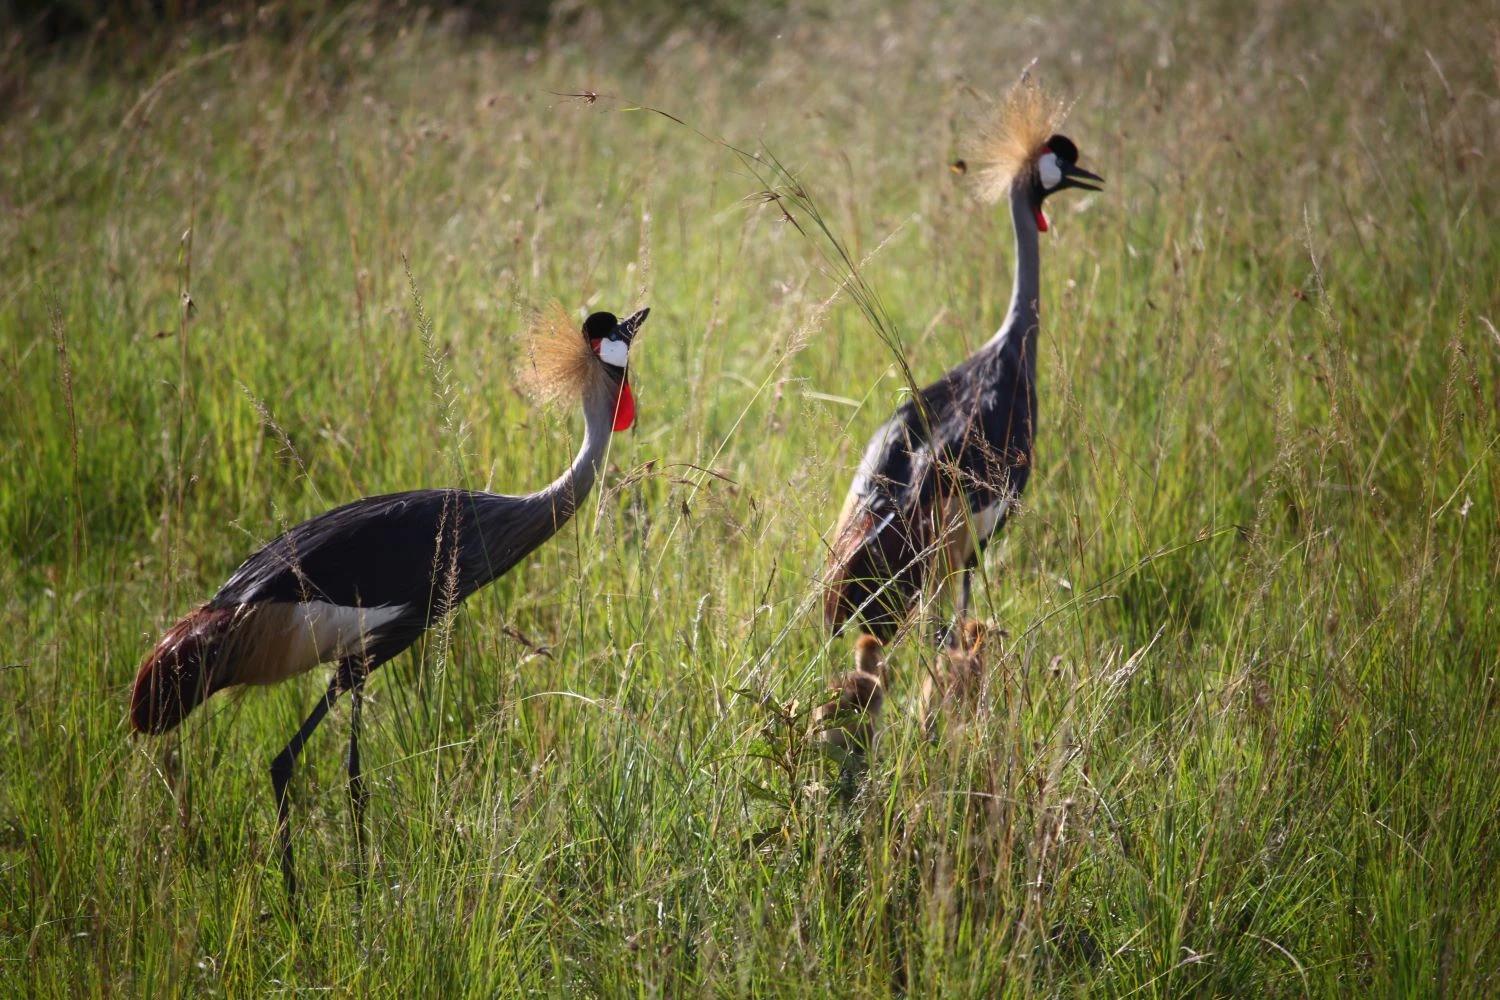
(283, 639)
(335, 631)
(1050, 172)
(986, 519)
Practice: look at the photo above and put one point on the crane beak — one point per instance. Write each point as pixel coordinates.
(627, 327)
(1077, 177)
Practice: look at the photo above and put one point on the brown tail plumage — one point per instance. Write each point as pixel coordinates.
(178, 673)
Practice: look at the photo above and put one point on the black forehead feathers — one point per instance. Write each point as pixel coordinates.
(1062, 147)
(599, 325)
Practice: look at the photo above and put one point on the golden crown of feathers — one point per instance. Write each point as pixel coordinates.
(559, 364)
(1012, 140)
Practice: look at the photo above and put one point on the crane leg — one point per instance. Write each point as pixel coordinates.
(359, 796)
(281, 775)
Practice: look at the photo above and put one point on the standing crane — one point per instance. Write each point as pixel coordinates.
(357, 585)
(939, 476)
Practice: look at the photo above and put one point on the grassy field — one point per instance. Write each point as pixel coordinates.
(1245, 734)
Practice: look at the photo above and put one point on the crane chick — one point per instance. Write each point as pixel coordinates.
(958, 681)
(848, 721)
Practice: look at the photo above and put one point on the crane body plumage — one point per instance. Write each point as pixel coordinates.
(356, 586)
(936, 480)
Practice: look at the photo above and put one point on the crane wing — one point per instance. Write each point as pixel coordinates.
(875, 563)
(383, 551)
(357, 584)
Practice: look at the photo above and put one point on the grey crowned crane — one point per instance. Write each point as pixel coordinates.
(357, 585)
(938, 478)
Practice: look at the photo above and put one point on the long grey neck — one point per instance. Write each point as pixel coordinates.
(1022, 320)
(510, 527)
(566, 492)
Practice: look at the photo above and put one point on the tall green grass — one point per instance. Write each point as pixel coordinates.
(1243, 735)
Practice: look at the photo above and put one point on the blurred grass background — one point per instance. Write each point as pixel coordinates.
(1243, 736)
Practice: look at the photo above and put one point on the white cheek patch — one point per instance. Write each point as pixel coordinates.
(1051, 173)
(614, 352)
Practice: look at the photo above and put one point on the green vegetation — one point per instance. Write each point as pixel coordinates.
(1245, 735)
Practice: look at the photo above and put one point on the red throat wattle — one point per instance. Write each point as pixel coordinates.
(625, 408)
(1041, 221)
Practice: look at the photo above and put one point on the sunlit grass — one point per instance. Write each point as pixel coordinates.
(1243, 735)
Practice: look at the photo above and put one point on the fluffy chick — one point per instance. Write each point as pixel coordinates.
(848, 721)
(958, 678)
